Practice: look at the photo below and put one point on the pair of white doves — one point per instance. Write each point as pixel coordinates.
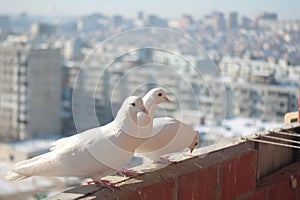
(100, 151)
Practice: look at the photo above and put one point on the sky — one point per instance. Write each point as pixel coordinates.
(286, 9)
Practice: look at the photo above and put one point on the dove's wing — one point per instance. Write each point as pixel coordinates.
(74, 158)
(162, 134)
(60, 143)
(92, 153)
(63, 142)
(170, 135)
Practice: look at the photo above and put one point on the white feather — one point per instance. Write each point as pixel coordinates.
(93, 153)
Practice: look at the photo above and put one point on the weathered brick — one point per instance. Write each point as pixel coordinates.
(281, 189)
(198, 185)
(260, 194)
(294, 170)
(280, 185)
(298, 188)
(164, 190)
(238, 175)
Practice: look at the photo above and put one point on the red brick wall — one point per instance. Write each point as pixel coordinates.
(226, 174)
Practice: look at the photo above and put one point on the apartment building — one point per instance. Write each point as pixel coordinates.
(261, 89)
(30, 92)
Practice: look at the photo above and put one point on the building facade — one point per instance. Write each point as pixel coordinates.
(30, 92)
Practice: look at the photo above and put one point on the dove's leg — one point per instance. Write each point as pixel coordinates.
(128, 173)
(166, 160)
(104, 183)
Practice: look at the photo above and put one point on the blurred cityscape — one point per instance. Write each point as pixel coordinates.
(41, 60)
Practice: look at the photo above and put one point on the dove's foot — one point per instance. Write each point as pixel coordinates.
(128, 173)
(166, 160)
(104, 183)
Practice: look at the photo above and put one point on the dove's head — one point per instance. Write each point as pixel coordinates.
(134, 105)
(155, 96)
(195, 142)
(126, 118)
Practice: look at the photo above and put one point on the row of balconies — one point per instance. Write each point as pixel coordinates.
(10, 99)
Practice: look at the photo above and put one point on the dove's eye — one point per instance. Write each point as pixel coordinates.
(160, 94)
(196, 143)
(133, 104)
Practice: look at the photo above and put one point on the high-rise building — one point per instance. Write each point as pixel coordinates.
(232, 22)
(93, 22)
(266, 19)
(219, 21)
(71, 49)
(246, 22)
(186, 21)
(42, 30)
(156, 21)
(117, 20)
(267, 16)
(30, 92)
(4, 26)
(140, 15)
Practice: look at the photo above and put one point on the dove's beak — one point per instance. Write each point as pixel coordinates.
(145, 110)
(167, 100)
(191, 150)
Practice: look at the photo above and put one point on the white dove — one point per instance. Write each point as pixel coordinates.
(168, 135)
(145, 122)
(91, 154)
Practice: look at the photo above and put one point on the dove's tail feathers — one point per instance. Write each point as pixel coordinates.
(12, 176)
(24, 162)
(35, 166)
(16, 175)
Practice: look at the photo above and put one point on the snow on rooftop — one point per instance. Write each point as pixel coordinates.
(238, 127)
